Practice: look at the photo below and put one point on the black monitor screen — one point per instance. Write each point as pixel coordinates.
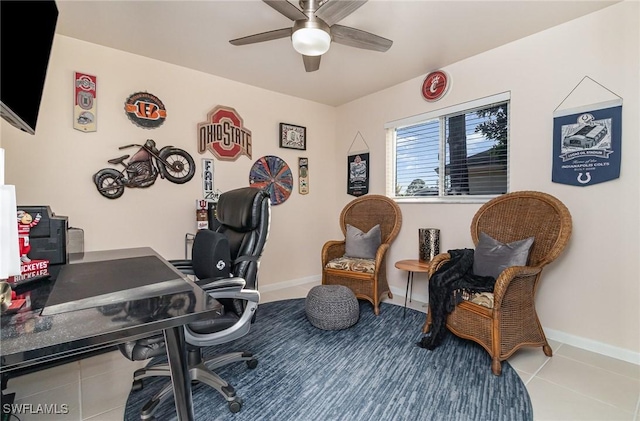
(27, 29)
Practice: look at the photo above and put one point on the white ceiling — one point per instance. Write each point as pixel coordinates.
(427, 35)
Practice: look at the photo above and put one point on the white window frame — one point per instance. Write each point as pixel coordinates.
(392, 126)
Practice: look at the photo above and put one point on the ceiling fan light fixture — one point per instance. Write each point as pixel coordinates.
(311, 38)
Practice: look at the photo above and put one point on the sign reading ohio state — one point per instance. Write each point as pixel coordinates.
(224, 134)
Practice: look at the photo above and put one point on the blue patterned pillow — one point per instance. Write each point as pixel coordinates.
(362, 245)
(491, 256)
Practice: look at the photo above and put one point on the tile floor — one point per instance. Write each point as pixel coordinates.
(573, 385)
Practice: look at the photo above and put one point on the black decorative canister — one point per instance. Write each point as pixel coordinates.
(428, 243)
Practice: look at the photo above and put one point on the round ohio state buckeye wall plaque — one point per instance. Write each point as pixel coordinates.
(435, 85)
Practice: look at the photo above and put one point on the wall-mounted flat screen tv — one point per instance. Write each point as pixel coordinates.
(27, 29)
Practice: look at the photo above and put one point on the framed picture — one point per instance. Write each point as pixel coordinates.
(293, 137)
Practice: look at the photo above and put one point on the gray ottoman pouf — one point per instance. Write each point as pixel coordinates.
(332, 307)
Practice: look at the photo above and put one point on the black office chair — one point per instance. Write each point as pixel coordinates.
(244, 216)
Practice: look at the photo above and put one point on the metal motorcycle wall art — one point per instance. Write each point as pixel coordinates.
(174, 164)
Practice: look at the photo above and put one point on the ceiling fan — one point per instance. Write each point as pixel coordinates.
(315, 27)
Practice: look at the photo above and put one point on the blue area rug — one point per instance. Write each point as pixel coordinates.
(371, 371)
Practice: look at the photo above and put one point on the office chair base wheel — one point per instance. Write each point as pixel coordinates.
(253, 363)
(235, 405)
(137, 385)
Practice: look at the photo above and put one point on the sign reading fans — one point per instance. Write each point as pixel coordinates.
(224, 134)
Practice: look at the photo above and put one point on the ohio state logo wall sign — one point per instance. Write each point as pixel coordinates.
(224, 134)
(145, 110)
(435, 85)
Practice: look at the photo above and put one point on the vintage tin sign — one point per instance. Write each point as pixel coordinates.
(435, 85)
(145, 110)
(207, 180)
(85, 102)
(224, 134)
(303, 175)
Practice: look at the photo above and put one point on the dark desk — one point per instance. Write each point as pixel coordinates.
(28, 338)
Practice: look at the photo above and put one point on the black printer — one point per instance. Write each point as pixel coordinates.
(48, 238)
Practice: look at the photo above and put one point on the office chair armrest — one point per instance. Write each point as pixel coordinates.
(229, 288)
(251, 295)
(239, 328)
(210, 284)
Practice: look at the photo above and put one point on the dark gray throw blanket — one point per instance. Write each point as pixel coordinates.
(445, 288)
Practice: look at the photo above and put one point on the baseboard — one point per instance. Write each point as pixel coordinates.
(423, 298)
(593, 346)
(290, 283)
(565, 338)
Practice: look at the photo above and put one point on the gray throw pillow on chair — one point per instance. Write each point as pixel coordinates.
(362, 245)
(491, 256)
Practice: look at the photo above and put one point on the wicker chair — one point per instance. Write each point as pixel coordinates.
(366, 278)
(512, 322)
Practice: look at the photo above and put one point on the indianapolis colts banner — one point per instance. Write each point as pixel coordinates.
(587, 144)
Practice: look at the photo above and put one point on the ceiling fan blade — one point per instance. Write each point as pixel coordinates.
(359, 39)
(311, 63)
(287, 9)
(261, 37)
(333, 11)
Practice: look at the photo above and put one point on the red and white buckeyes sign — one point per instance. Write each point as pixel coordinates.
(435, 85)
(84, 107)
(224, 134)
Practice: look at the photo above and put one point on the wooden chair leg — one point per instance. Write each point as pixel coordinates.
(427, 323)
(496, 367)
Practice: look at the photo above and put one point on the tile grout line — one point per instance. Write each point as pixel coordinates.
(535, 373)
(597, 366)
(635, 415)
(591, 398)
(580, 393)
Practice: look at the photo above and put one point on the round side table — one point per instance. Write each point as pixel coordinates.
(412, 266)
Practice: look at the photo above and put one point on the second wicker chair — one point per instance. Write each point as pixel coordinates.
(367, 278)
(508, 320)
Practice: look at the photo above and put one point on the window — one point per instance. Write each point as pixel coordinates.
(470, 141)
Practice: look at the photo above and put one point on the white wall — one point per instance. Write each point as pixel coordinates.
(55, 166)
(591, 295)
